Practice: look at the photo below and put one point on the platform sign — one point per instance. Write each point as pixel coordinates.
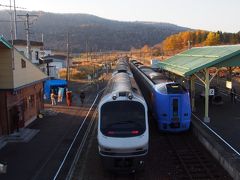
(89, 77)
(229, 84)
(211, 92)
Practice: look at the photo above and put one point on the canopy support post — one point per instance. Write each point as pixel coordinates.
(193, 93)
(207, 85)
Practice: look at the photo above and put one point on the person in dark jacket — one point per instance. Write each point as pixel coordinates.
(82, 96)
(233, 95)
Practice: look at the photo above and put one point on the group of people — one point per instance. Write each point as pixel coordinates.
(68, 97)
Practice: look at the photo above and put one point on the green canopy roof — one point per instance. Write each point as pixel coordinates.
(5, 42)
(196, 59)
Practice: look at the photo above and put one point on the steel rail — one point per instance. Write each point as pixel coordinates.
(193, 150)
(79, 151)
(75, 137)
(179, 157)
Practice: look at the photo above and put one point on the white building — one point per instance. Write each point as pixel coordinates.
(48, 63)
(45, 52)
(52, 64)
(36, 49)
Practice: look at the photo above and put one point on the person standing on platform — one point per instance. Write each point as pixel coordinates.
(82, 96)
(60, 94)
(69, 97)
(53, 100)
(233, 95)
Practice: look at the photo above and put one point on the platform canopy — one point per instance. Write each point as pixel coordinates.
(201, 59)
(197, 59)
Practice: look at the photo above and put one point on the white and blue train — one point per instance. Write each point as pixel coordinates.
(123, 134)
(168, 101)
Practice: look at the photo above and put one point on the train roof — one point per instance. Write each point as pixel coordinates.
(143, 67)
(122, 66)
(137, 63)
(122, 82)
(147, 70)
(153, 76)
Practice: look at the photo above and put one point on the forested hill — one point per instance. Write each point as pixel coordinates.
(180, 41)
(90, 31)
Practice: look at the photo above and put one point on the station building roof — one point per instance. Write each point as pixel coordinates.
(4, 43)
(196, 59)
(16, 70)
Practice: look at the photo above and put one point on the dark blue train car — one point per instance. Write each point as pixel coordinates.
(168, 101)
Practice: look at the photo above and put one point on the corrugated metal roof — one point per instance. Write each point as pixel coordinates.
(195, 59)
(5, 42)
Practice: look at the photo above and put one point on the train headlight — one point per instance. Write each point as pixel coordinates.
(130, 96)
(114, 97)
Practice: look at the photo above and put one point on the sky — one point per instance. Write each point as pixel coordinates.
(212, 15)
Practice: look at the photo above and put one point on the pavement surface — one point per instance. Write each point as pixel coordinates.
(224, 118)
(40, 156)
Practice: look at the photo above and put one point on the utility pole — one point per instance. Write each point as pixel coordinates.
(15, 20)
(67, 74)
(87, 49)
(11, 21)
(29, 54)
(27, 24)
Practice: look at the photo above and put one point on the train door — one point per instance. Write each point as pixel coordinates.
(175, 113)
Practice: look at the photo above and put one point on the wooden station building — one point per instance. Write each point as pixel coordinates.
(21, 89)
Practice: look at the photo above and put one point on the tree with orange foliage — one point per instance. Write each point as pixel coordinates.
(172, 43)
(212, 39)
(186, 36)
(145, 49)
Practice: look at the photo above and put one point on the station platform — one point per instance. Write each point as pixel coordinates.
(224, 119)
(37, 150)
(222, 132)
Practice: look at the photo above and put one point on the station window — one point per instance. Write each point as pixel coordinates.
(23, 63)
(31, 101)
(36, 55)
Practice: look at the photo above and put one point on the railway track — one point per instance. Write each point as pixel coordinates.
(171, 156)
(68, 165)
(194, 163)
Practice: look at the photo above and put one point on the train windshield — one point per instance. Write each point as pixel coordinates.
(175, 88)
(122, 119)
